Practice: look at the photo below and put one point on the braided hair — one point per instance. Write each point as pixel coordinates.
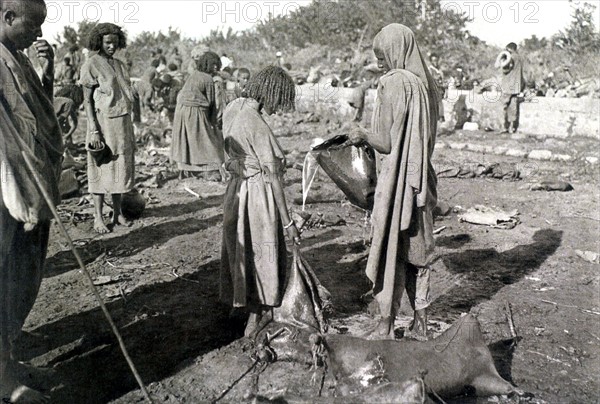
(207, 62)
(99, 31)
(274, 88)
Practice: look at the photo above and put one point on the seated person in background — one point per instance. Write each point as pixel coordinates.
(166, 91)
(176, 74)
(226, 73)
(346, 79)
(459, 76)
(162, 60)
(371, 75)
(65, 73)
(65, 111)
(176, 58)
(143, 88)
(67, 102)
(226, 62)
(75, 57)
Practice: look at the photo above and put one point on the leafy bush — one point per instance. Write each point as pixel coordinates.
(327, 30)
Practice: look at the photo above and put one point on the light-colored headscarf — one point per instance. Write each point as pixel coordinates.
(196, 53)
(406, 113)
(199, 50)
(397, 42)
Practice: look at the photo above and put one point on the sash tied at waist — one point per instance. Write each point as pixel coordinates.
(194, 104)
(249, 167)
(188, 99)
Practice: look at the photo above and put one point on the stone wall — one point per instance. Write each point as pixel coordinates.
(553, 117)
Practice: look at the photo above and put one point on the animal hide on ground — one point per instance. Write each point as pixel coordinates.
(456, 359)
(409, 392)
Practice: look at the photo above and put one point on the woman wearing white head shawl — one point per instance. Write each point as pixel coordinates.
(196, 53)
(403, 128)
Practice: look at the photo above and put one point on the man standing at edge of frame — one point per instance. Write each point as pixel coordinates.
(28, 125)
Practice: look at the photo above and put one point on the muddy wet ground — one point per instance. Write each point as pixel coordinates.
(164, 271)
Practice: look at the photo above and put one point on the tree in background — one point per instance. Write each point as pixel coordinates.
(139, 50)
(581, 36)
(571, 54)
(340, 24)
(534, 43)
(326, 30)
(70, 36)
(83, 31)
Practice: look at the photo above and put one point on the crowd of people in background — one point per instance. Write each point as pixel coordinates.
(157, 88)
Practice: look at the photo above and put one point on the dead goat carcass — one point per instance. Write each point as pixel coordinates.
(456, 359)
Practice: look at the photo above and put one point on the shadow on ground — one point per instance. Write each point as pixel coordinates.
(484, 272)
(128, 244)
(163, 326)
(184, 208)
(345, 279)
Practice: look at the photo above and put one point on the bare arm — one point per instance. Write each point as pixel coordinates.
(94, 131)
(279, 196)
(72, 119)
(45, 53)
(219, 104)
(381, 143)
(387, 110)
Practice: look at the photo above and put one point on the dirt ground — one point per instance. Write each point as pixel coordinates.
(161, 276)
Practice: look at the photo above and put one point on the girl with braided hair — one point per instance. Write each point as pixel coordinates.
(108, 104)
(255, 213)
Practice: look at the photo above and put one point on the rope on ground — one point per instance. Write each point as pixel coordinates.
(236, 381)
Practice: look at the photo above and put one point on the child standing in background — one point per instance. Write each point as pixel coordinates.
(237, 86)
(243, 77)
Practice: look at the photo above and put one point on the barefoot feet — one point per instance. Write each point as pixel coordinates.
(257, 322)
(251, 325)
(120, 220)
(100, 227)
(24, 394)
(383, 330)
(418, 327)
(12, 390)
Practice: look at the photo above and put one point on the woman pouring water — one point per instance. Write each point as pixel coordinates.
(403, 129)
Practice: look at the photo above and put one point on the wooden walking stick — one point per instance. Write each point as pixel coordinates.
(87, 274)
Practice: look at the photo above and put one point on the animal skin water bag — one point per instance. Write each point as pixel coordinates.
(352, 168)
